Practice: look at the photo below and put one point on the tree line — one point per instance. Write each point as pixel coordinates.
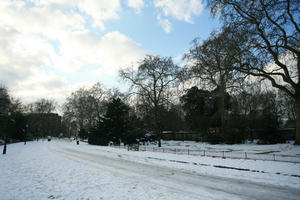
(15, 117)
(223, 84)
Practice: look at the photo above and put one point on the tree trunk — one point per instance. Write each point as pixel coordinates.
(297, 140)
(222, 93)
(157, 122)
(222, 111)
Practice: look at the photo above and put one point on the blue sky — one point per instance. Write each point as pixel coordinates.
(49, 48)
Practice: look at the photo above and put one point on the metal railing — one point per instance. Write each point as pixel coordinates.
(222, 154)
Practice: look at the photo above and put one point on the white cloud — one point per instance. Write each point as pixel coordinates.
(77, 46)
(37, 40)
(165, 23)
(100, 10)
(116, 51)
(23, 62)
(49, 22)
(40, 85)
(110, 52)
(137, 5)
(182, 10)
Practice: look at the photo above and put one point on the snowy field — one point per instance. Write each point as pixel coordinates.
(61, 169)
(285, 149)
(277, 152)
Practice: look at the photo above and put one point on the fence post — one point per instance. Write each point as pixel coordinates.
(274, 157)
(188, 152)
(245, 155)
(223, 154)
(175, 150)
(203, 152)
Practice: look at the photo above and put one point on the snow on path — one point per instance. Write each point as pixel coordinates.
(62, 170)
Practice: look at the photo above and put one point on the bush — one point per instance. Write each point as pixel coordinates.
(98, 137)
(233, 136)
(270, 136)
(83, 134)
(213, 138)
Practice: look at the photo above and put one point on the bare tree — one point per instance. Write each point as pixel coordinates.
(273, 35)
(43, 106)
(152, 82)
(211, 61)
(86, 106)
(287, 105)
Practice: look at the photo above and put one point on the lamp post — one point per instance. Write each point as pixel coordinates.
(25, 133)
(4, 148)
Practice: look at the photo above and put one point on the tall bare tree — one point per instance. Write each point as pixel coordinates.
(43, 106)
(152, 81)
(272, 29)
(85, 107)
(211, 61)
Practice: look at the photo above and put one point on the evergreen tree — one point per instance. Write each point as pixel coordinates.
(98, 135)
(4, 111)
(116, 120)
(18, 128)
(83, 133)
(193, 105)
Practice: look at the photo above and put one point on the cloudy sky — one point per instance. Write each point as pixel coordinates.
(48, 48)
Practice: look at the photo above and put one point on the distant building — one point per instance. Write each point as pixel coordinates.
(44, 124)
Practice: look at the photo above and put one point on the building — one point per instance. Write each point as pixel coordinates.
(44, 124)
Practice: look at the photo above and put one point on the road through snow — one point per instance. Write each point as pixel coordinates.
(191, 185)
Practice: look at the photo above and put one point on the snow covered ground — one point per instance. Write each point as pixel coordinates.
(277, 152)
(285, 149)
(63, 170)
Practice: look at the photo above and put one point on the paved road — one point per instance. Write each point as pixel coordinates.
(196, 186)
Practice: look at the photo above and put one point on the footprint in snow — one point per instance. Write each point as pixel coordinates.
(51, 197)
